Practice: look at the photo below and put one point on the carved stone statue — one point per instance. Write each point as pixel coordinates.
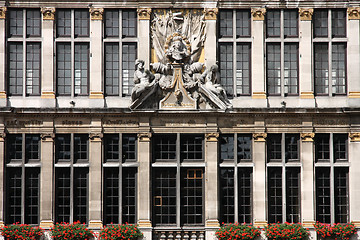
(143, 80)
(177, 52)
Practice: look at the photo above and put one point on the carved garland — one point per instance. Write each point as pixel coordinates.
(354, 13)
(144, 13)
(307, 137)
(3, 11)
(96, 13)
(48, 13)
(306, 14)
(259, 137)
(258, 14)
(210, 13)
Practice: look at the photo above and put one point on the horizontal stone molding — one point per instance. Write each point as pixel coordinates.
(354, 94)
(2, 94)
(259, 95)
(96, 95)
(97, 224)
(307, 95)
(144, 223)
(46, 224)
(49, 95)
(308, 223)
(47, 137)
(260, 223)
(212, 223)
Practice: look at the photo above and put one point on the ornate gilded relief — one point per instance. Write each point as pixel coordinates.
(258, 14)
(3, 11)
(144, 13)
(96, 13)
(48, 13)
(353, 13)
(306, 14)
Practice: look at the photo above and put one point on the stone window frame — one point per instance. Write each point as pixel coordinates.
(121, 166)
(75, 170)
(334, 167)
(25, 40)
(330, 40)
(236, 41)
(123, 87)
(286, 168)
(73, 40)
(24, 167)
(282, 41)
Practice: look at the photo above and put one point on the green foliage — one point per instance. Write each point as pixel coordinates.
(21, 231)
(237, 232)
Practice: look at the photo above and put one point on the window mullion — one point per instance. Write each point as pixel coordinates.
(236, 185)
(71, 177)
(72, 49)
(234, 54)
(120, 54)
(332, 186)
(120, 179)
(330, 54)
(283, 174)
(23, 180)
(282, 64)
(24, 54)
(178, 181)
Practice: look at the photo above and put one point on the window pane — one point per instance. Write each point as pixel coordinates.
(16, 22)
(129, 22)
(128, 67)
(63, 68)
(341, 176)
(338, 22)
(293, 195)
(275, 195)
(273, 23)
(164, 147)
(111, 196)
(32, 147)
(322, 147)
(245, 192)
(243, 20)
(33, 71)
(339, 68)
(14, 147)
(227, 147)
(273, 69)
(292, 147)
(32, 187)
(274, 147)
(13, 195)
(291, 66)
(111, 18)
(81, 23)
(243, 59)
(129, 195)
(244, 147)
(340, 147)
(81, 148)
(290, 23)
(112, 69)
(62, 147)
(81, 68)
(62, 195)
(191, 147)
(15, 74)
(111, 147)
(227, 190)
(80, 194)
(320, 21)
(323, 195)
(226, 23)
(129, 147)
(321, 68)
(63, 23)
(33, 22)
(226, 67)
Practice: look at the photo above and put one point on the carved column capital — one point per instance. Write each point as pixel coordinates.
(259, 137)
(258, 14)
(47, 137)
(306, 14)
(144, 13)
(210, 13)
(96, 13)
(48, 13)
(353, 13)
(212, 137)
(3, 11)
(307, 137)
(144, 137)
(354, 137)
(2, 136)
(96, 137)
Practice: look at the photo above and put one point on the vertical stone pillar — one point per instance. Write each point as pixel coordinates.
(307, 179)
(144, 35)
(354, 177)
(210, 41)
(353, 49)
(259, 179)
(47, 57)
(95, 160)
(143, 188)
(257, 53)
(96, 65)
(211, 185)
(305, 60)
(46, 183)
(2, 179)
(2, 57)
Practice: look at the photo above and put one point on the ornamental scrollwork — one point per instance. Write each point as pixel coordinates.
(306, 14)
(144, 137)
(258, 14)
(96, 13)
(307, 137)
(259, 137)
(3, 11)
(96, 136)
(210, 13)
(212, 137)
(353, 13)
(48, 13)
(354, 137)
(144, 13)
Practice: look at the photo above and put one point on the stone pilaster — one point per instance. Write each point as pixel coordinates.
(2, 57)
(257, 53)
(305, 60)
(144, 33)
(2, 180)
(210, 41)
(259, 176)
(96, 64)
(307, 179)
(354, 177)
(46, 183)
(47, 57)
(95, 160)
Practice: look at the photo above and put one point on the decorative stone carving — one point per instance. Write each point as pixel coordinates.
(96, 13)
(3, 11)
(96, 137)
(144, 137)
(2, 136)
(258, 14)
(47, 136)
(144, 13)
(306, 14)
(259, 137)
(212, 137)
(354, 137)
(48, 13)
(307, 137)
(2, 94)
(211, 13)
(353, 13)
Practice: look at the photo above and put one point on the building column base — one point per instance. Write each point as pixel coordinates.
(308, 223)
(95, 224)
(260, 223)
(46, 224)
(212, 223)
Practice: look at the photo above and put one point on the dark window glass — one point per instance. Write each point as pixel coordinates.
(112, 69)
(80, 194)
(321, 67)
(81, 68)
(338, 22)
(63, 23)
(32, 186)
(244, 147)
(273, 68)
(226, 67)
(243, 59)
(322, 147)
(13, 195)
(323, 195)
(15, 66)
(33, 22)
(111, 23)
(81, 147)
(63, 146)
(16, 22)
(290, 23)
(191, 198)
(111, 196)
(274, 195)
(128, 67)
(244, 185)
(191, 147)
(81, 23)
(111, 147)
(129, 21)
(227, 190)
(340, 147)
(291, 68)
(293, 194)
(243, 23)
(338, 68)
(341, 176)
(226, 23)
(62, 195)
(273, 23)
(274, 147)
(320, 21)
(227, 147)
(292, 147)
(63, 68)
(14, 147)
(32, 147)
(33, 52)
(129, 147)
(129, 195)
(165, 147)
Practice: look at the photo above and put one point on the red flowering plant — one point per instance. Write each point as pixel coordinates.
(335, 231)
(74, 231)
(21, 231)
(117, 232)
(236, 231)
(286, 231)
